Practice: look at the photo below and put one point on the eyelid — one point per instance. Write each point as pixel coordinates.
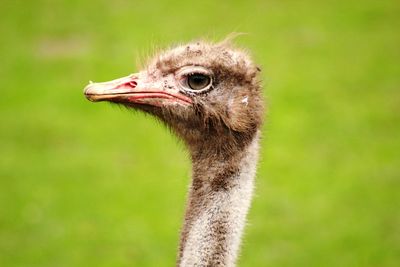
(189, 70)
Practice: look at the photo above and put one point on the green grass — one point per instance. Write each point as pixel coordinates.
(93, 185)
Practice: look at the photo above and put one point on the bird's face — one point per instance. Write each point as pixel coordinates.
(196, 89)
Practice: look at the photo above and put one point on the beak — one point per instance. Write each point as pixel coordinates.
(136, 89)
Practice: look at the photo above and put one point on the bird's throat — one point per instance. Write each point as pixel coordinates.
(218, 202)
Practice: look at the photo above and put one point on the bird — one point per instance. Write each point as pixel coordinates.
(210, 95)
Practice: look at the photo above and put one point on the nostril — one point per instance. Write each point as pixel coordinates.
(132, 84)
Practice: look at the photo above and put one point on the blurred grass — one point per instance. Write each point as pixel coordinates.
(90, 185)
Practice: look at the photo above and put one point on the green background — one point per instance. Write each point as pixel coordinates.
(85, 184)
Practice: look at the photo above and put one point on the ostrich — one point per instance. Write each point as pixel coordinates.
(209, 95)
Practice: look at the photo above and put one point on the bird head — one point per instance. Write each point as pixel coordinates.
(200, 90)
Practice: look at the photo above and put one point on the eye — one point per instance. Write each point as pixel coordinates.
(198, 81)
(195, 79)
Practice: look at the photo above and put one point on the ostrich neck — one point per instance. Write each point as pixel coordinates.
(219, 198)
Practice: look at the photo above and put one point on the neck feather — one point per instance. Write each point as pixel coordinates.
(219, 198)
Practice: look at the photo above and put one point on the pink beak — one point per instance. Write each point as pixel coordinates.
(135, 88)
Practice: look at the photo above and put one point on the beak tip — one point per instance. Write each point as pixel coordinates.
(87, 91)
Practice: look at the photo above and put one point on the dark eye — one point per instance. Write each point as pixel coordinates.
(198, 81)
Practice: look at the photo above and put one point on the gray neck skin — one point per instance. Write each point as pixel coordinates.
(219, 199)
